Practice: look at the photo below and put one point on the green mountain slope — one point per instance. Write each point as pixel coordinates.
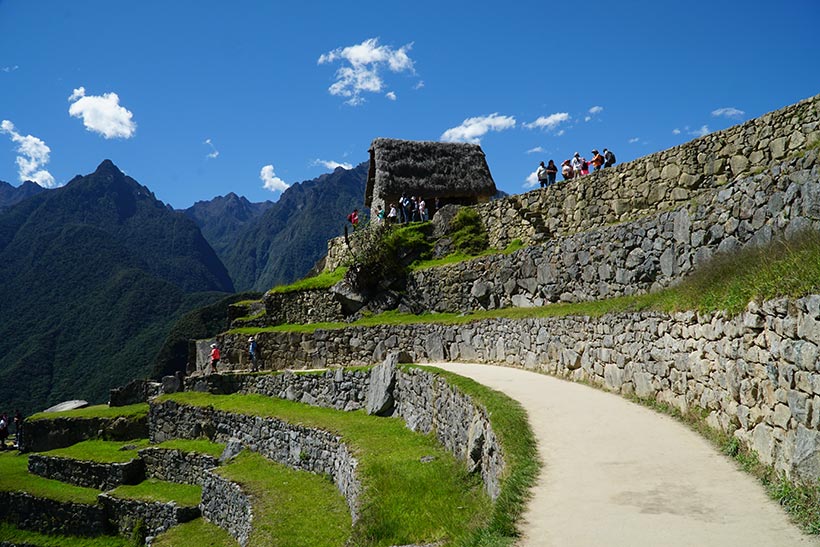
(284, 243)
(93, 276)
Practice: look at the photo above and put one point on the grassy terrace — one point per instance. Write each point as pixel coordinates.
(96, 411)
(153, 490)
(324, 280)
(290, 508)
(783, 268)
(14, 535)
(196, 533)
(406, 501)
(123, 451)
(14, 477)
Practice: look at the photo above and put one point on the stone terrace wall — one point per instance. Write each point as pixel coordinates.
(53, 517)
(100, 476)
(176, 465)
(226, 505)
(128, 514)
(340, 389)
(632, 257)
(430, 405)
(293, 445)
(757, 374)
(44, 434)
(661, 181)
(310, 306)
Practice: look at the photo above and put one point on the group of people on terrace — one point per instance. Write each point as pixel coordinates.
(5, 427)
(409, 209)
(575, 167)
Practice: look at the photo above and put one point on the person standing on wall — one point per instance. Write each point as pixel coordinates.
(566, 170)
(552, 172)
(541, 175)
(577, 165)
(214, 358)
(597, 160)
(353, 218)
(609, 158)
(252, 353)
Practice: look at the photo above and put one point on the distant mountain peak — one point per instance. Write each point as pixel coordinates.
(107, 167)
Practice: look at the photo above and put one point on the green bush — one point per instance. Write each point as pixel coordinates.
(469, 235)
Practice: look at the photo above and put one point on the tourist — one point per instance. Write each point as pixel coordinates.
(404, 207)
(252, 353)
(393, 215)
(566, 170)
(577, 165)
(609, 158)
(423, 210)
(4, 430)
(214, 358)
(552, 172)
(541, 175)
(353, 218)
(414, 209)
(597, 160)
(380, 215)
(18, 429)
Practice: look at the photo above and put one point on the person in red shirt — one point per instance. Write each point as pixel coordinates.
(354, 218)
(214, 358)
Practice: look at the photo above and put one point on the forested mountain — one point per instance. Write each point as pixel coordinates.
(93, 276)
(222, 219)
(284, 243)
(10, 195)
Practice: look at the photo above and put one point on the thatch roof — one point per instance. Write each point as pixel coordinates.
(426, 168)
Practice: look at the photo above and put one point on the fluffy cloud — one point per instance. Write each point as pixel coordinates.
(535, 150)
(330, 164)
(531, 180)
(33, 156)
(271, 181)
(472, 129)
(633, 140)
(592, 112)
(102, 114)
(704, 130)
(363, 64)
(390, 95)
(549, 122)
(728, 112)
(214, 153)
(676, 131)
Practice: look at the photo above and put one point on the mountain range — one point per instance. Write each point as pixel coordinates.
(97, 273)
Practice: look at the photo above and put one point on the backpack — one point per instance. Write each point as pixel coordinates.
(609, 157)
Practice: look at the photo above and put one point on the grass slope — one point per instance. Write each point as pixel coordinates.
(16, 536)
(153, 490)
(96, 411)
(14, 477)
(196, 533)
(100, 451)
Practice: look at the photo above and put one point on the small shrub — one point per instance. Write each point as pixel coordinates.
(469, 235)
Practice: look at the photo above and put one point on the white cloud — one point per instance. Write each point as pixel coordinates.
(531, 181)
(33, 156)
(549, 122)
(472, 129)
(419, 85)
(8, 69)
(633, 140)
(704, 130)
(214, 153)
(102, 114)
(272, 182)
(728, 112)
(535, 150)
(365, 61)
(330, 164)
(560, 133)
(390, 95)
(596, 110)
(676, 131)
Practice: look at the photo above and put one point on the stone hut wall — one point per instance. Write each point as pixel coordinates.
(755, 374)
(633, 257)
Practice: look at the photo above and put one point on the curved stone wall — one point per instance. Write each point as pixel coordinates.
(756, 374)
(226, 505)
(53, 517)
(296, 446)
(127, 514)
(100, 476)
(176, 465)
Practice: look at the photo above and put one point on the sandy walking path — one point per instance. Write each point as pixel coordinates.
(618, 474)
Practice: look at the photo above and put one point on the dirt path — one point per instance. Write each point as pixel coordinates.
(618, 474)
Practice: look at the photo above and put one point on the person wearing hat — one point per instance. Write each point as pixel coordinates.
(566, 170)
(577, 165)
(214, 358)
(252, 353)
(597, 160)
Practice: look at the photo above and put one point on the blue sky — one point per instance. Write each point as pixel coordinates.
(200, 98)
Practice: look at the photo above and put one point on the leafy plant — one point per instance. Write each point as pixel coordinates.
(469, 235)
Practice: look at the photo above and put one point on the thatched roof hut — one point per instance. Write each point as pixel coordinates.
(453, 172)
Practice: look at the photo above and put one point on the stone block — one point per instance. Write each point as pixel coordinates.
(382, 381)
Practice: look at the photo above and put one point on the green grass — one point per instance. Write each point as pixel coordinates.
(188, 495)
(14, 535)
(456, 257)
(199, 446)
(800, 500)
(511, 426)
(290, 508)
(324, 280)
(96, 411)
(406, 501)
(100, 451)
(14, 477)
(196, 533)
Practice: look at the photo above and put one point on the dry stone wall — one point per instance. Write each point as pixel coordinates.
(43, 434)
(226, 505)
(632, 257)
(53, 517)
(128, 514)
(100, 476)
(176, 465)
(309, 306)
(757, 375)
